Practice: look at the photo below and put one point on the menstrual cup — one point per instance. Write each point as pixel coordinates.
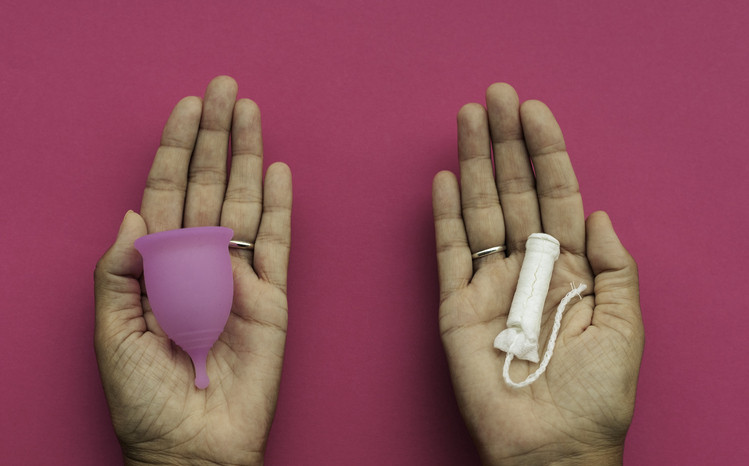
(190, 287)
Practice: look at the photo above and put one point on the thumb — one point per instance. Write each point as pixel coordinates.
(116, 279)
(617, 290)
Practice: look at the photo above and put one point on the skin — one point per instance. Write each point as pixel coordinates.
(579, 411)
(158, 414)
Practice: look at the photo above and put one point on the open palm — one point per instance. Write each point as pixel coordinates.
(581, 407)
(158, 414)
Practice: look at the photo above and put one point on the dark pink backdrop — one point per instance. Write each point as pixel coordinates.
(359, 98)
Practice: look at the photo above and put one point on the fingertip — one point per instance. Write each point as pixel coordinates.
(605, 250)
(116, 279)
(502, 92)
(133, 226)
(247, 107)
(247, 128)
(616, 279)
(503, 106)
(443, 179)
(190, 104)
(600, 218)
(474, 140)
(535, 113)
(599, 227)
(122, 259)
(278, 186)
(124, 222)
(533, 107)
(445, 194)
(185, 114)
(542, 131)
(444, 176)
(224, 81)
(470, 113)
(280, 169)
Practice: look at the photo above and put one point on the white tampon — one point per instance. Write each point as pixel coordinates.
(524, 321)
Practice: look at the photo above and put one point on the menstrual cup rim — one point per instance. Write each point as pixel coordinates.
(179, 233)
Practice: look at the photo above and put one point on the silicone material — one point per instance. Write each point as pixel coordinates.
(190, 287)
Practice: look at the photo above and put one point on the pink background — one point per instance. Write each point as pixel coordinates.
(359, 98)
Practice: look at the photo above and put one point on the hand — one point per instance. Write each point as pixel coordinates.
(158, 414)
(582, 405)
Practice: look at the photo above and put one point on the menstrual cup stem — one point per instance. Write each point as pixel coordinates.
(199, 357)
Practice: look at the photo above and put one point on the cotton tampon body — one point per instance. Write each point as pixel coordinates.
(520, 339)
(524, 321)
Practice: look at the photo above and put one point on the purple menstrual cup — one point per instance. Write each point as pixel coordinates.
(190, 287)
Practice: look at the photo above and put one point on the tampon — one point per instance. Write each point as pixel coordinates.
(524, 321)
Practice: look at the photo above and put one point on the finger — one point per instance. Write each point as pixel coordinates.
(616, 287)
(515, 181)
(116, 285)
(273, 241)
(453, 254)
(482, 214)
(164, 196)
(558, 193)
(243, 202)
(207, 175)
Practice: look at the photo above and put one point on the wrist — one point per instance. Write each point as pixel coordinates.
(601, 456)
(165, 459)
(604, 457)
